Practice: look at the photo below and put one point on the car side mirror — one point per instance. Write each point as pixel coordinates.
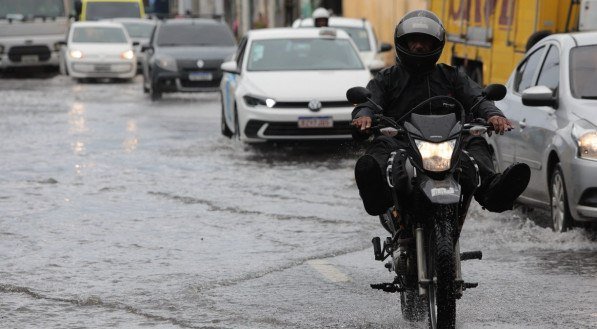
(60, 43)
(145, 48)
(384, 47)
(539, 96)
(230, 67)
(136, 43)
(357, 95)
(495, 92)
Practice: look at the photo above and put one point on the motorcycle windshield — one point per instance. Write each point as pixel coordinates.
(435, 128)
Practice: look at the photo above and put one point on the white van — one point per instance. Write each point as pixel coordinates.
(32, 32)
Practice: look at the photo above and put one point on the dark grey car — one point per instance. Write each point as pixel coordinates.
(184, 55)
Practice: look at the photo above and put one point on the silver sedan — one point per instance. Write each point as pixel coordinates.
(552, 103)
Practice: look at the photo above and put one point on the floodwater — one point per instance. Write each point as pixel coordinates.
(119, 212)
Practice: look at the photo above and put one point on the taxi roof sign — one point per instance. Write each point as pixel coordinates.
(327, 32)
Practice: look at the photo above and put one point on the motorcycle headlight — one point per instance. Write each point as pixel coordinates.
(77, 54)
(129, 54)
(585, 135)
(436, 156)
(255, 101)
(166, 63)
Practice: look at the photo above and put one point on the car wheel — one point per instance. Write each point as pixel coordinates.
(154, 93)
(561, 220)
(223, 126)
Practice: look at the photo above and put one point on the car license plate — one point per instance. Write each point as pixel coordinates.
(315, 122)
(102, 67)
(200, 76)
(28, 59)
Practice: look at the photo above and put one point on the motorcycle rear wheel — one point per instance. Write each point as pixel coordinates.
(441, 297)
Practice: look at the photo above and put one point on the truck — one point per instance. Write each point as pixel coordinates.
(32, 32)
(93, 10)
(487, 38)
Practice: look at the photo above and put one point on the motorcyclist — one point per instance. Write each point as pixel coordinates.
(419, 39)
(321, 17)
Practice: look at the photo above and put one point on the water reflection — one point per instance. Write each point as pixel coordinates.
(131, 142)
(76, 118)
(78, 147)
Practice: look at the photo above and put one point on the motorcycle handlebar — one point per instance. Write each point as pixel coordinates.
(388, 127)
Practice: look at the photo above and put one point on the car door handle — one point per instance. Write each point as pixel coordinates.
(522, 123)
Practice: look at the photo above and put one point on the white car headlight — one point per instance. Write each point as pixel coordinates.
(77, 54)
(254, 101)
(128, 55)
(166, 63)
(436, 156)
(585, 135)
(587, 146)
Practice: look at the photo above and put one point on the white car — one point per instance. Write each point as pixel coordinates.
(363, 35)
(290, 84)
(552, 102)
(139, 30)
(98, 50)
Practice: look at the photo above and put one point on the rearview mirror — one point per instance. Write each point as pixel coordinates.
(385, 47)
(495, 92)
(230, 67)
(539, 96)
(357, 95)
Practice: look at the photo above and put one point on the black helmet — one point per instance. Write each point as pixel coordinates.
(419, 22)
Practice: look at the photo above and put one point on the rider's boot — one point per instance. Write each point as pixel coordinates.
(498, 192)
(373, 189)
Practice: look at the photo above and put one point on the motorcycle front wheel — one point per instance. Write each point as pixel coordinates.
(441, 298)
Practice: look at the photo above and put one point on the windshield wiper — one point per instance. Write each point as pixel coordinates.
(588, 97)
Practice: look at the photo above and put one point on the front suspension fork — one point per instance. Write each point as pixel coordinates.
(424, 278)
(421, 261)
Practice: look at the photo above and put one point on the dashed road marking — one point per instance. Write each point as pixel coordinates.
(328, 271)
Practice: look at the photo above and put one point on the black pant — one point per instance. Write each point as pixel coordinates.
(476, 147)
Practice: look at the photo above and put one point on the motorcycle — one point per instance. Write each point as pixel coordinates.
(429, 207)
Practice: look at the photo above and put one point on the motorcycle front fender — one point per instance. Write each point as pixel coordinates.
(445, 191)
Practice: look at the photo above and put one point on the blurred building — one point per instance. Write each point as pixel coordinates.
(243, 15)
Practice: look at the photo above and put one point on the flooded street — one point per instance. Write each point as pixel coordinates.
(119, 212)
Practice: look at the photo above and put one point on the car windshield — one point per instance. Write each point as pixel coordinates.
(359, 36)
(176, 35)
(138, 30)
(303, 54)
(97, 34)
(106, 9)
(31, 8)
(583, 72)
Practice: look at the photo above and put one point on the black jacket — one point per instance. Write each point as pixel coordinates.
(397, 91)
